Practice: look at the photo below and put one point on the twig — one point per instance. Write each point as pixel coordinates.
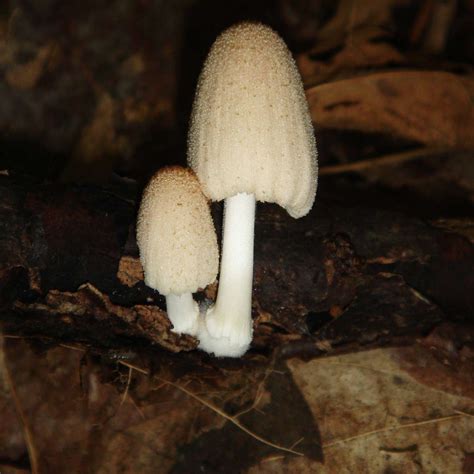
(421, 21)
(393, 159)
(217, 410)
(134, 367)
(464, 413)
(233, 420)
(273, 458)
(392, 428)
(297, 442)
(258, 396)
(125, 393)
(74, 348)
(30, 445)
(140, 411)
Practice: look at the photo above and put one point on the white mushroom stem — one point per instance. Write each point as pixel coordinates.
(231, 316)
(183, 312)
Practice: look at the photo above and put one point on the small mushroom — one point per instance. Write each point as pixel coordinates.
(251, 138)
(177, 243)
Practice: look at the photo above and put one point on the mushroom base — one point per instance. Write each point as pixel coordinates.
(220, 346)
(183, 312)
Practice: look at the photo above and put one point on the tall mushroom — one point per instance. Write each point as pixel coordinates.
(177, 243)
(251, 138)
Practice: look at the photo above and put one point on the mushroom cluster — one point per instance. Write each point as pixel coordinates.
(251, 139)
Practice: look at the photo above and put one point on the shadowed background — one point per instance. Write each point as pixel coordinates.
(363, 354)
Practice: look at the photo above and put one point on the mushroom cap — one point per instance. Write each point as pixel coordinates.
(175, 233)
(251, 130)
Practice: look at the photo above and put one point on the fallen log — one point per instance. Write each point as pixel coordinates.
(69, 271)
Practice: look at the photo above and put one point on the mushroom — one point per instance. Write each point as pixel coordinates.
(177, 243)
(251, 138)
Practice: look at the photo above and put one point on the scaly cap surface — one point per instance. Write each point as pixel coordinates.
(175, 233)
(250, 128)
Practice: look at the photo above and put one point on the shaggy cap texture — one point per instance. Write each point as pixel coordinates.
(175, 233)
(250, 128)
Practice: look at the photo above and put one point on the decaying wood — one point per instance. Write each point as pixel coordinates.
(70, 270)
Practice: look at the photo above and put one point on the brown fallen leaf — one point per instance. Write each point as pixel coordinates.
(433, 108)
